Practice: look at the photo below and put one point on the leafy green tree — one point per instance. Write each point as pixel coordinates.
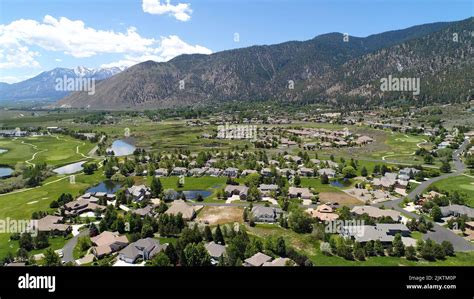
(196, 255)
(349, 172)
(156, 187)
(378, 247)
(300, 221)
(324, 179)
(364, 172)
(448, 248)
(22, 254)
(26, 241)
(254, 194)
(410, 253)
(208, 234)
(445, 167)
(436, 214)
(161, 260)
(51, 258)
(398, 247)
(218, 237)
(280, 246)
(297, 180)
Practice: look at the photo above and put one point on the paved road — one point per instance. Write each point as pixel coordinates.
(69, 247)
(438, 233)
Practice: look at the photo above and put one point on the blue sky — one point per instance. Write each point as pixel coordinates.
(40, 35)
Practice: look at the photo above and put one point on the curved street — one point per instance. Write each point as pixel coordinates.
(439, 233)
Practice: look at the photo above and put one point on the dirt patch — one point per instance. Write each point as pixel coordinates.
(339, 197)
(220, 215)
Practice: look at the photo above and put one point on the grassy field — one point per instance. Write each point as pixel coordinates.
(20, 205)
(54, 150)
(388, 146)
(462, 184)
(310, 247)
(169, 135)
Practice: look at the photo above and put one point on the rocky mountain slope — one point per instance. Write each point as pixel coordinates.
(326, 68)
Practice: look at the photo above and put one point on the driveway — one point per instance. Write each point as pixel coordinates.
(69, 247)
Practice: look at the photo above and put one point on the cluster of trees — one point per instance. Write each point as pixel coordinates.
(27, 243)
(170, 225)
(299, 221)
(458, 222)
(351, 250)
(89, 168)
(432, 251)
(34, 175)
(62, 200)
(189, 249)
(420, 224)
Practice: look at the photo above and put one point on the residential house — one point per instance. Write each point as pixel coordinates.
(108, 242)
(323, 213)
(138, 193)
(385, 233)
(376, 213)
(144, 249)
(180, 206)
(179, 171)
(279, 262)
(408, 171)
(231, 172)
(331, 173)
(81, 206)
(197, 171)
(241, 191)
(266, 214)
(266, 189)
(457, 210)
(257, 260)
(215, 251)
(52, 224)
(304, 171)
(215, 172)
(303, 193)
(161, 172)
(146, 211)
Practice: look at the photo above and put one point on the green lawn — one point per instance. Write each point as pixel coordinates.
(316, 184)
(55, 151)
(462, 184)
(21, 205)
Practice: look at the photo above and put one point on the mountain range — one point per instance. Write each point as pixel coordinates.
(41, 88)
(330, 68)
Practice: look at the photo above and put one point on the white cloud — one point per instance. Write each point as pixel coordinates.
(15, 79)
(169, 48)
(181, 11)
(74, 38)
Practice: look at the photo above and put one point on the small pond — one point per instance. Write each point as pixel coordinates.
(122, 148)
(5, 172)
(70, 168)
(108, 187)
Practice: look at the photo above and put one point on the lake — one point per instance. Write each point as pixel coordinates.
(106, 186)
(122, 148)
(5, 171)
(70, 168)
